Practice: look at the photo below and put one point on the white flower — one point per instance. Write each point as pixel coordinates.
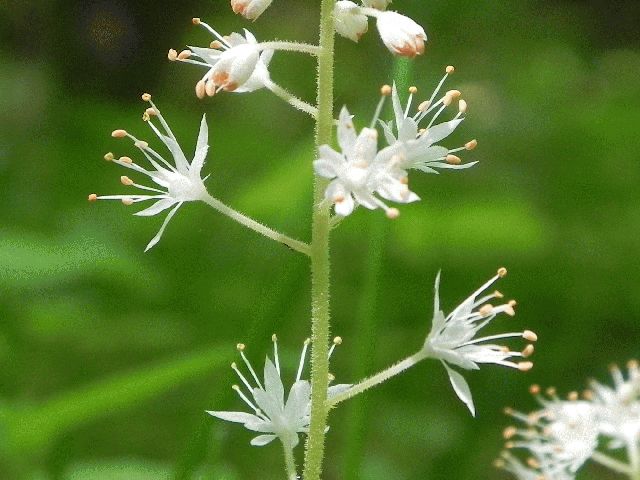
(360, 170)
(272, 416)
(452, 339)
(378, 4)
(400, 34)
(350, 22)
(416, 146)
(234, 63)
(561, 436)
(250, 9)
(180, 182)
(618, 407)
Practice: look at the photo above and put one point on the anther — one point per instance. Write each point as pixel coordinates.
(486, 310)
(195, 21)
(274, 338)
(498, 294)
(234, 365)
(216, 45)
(462, 106)
(152, 112)
(385, 90)
(508, 411)
(141, 144)
(587, 395)
(453, 160)
(210, 89)
(235, 387)
(525, 366)
(508, 309)
(331, 377)
(393, 213)
(146, 97)
(337, 341)
(471, 144)
(119, 133)
(502, 272)
(172, 55)
(108, 156)
(632, 364)
(126, 180)
(92, 197)
(509, 432)
(450, 69)
(528, 351)
(145, 117)
(201, 89)
(413, 90)
(447, 100)
(551, 391)
(534, 389)
(184, 54)
(240, 347)
(512, 303)
(572, 396)
(126, 160)
(127, 201)
(529, 335)
(453, 94)
(338, 198)
(509, 445)
(424, 105)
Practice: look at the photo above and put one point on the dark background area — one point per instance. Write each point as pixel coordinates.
(110, 356)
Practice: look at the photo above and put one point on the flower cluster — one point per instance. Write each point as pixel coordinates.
(453, 338)
(564, 434)
(361, 173)
(272, 416)
(180, 181)
(400, 34)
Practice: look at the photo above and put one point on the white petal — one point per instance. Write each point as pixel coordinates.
(272, 382)
(440, 131)
(159, 206)
(238, 417)
(436, 297)
(366, 146)
(209, 55)
(158, 236)
(298, 400)
(262, 440)
(387, 129)
(397, 106)
(346, 131)
(461, 388)
(201, 149)
(325, 168)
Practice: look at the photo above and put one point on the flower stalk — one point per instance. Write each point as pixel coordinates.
(320, 264)
(290, 463)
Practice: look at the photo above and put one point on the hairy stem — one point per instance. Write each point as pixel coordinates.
(289, 462)
(242, 219)
(320, 266)
(290, 98)
(377, 379)
(290, 47)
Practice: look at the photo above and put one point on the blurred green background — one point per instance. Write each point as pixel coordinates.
(110, 356)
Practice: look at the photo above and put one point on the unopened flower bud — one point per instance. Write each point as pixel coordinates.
(350, 23)
(401, 35)
(250, 9)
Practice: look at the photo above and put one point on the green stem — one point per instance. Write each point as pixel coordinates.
(290, 98)
(377, 379)
(290, 47)
(289, 462)
(250, 223)
(320, 266)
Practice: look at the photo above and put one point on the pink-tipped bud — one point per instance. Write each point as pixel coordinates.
(401, 35)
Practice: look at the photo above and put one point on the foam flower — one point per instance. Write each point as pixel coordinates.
(358, 172)
(416, 145)
(454, 339)
(176, 182)
(250, 9)
(350, 22)
(272, 416)
(235, 63)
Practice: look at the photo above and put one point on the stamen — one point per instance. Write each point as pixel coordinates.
(274, 339)
(486, 310)
(502, 272)
(146, 97)
(172, 55)
(108, 156)
(126, 180)
(471, 144)
(127, 201)
(302, 358)
(184, 54)
(126, 160)
(119, 133)
(336, 341)
(450, 69)
(534, 389)
(392, 213)
(573, 396)
(245, 399)
(525, 366)
(528, 351)
(462, 106)
(386, 90)
(92, 197)
(216, 45)
(234, 367)
(453, 160)
(201, 89)
(225, 43)
(529, 335)
(241, 347)
(141, 144)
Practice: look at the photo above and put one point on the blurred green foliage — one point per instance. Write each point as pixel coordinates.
(110, 356)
